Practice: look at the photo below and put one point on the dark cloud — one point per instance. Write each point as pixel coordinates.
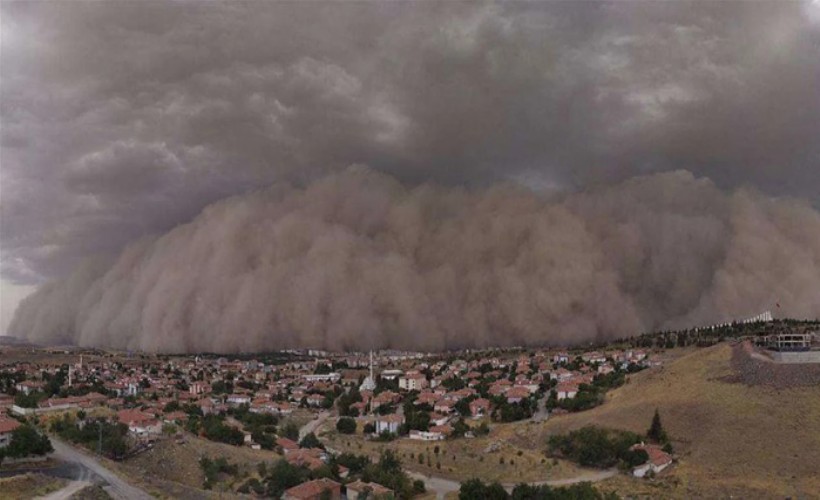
(125, 119)
(356, 260)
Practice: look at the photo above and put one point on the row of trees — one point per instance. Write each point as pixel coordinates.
(475, 488)
(387, 471)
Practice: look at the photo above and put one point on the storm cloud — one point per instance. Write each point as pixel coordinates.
(123, 120)
(356, 260)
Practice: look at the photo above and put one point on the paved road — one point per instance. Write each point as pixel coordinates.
(313, 424)
(118, 488)
(65, 493)
(441, 486)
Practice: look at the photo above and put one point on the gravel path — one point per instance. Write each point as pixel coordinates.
(66, 492)
(117, 488)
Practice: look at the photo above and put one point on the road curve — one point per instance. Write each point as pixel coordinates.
(441, 486)
(118, 488)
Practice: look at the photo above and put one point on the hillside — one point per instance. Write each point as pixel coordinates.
(732, 438)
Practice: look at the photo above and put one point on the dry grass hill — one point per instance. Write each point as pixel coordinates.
(733, 437)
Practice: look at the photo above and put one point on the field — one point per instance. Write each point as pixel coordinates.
(28, 486)
(732, 439)
(172, 470)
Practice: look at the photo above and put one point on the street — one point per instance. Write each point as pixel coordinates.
(117, 487)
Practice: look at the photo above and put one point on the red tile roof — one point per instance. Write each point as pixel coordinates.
(7, 425)
(312, 489)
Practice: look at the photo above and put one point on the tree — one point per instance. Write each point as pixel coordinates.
(656, 432)
(216, 430)
(460, 428)
(475, 488)
(346, 425)
(595, 446)
(463, 407)
(27, 400)
(25, 441)
(310, 441)
(283, 476)
(290, 430)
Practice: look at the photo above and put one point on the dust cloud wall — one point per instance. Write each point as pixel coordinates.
(357, 260)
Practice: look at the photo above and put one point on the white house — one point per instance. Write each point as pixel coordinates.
(566, 391)
(389, 423)
(658, 460)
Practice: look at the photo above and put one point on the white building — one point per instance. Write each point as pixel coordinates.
(413, 381)
(238, 399)
(389, 423)
(426, 436)
(658, 460)
(566, 391)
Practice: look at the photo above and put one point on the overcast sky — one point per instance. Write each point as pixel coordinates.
(123, 119)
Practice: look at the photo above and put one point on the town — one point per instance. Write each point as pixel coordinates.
(316, 424)
(381, 396)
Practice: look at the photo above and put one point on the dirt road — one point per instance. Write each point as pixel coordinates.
(313, 424)
(65, 493)
(117, 487)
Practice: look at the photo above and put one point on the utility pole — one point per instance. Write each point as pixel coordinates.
(99, 443)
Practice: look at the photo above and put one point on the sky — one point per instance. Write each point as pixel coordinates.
(120, 120)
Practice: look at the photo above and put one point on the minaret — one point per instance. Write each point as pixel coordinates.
(70, 372)
(369, 383)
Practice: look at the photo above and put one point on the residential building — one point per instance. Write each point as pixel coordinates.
(315, 490)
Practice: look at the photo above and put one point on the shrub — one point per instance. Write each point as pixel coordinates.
(346, 425)
(594, 446)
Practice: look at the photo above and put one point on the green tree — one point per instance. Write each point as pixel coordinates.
(290, 430)
(310, 441)
(656, 432)
(25, 441)
(475, 488)
(27, 400)
(283, 476)
(346, 425)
